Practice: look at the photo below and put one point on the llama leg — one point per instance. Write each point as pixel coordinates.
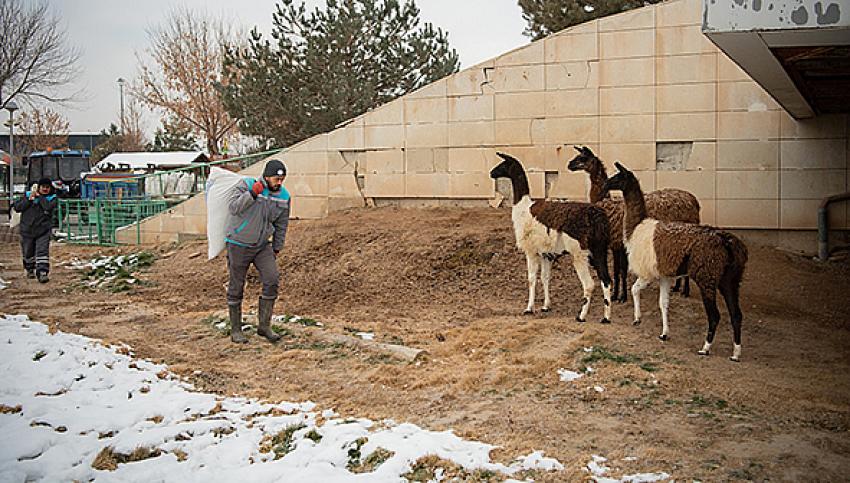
(545, 276)
(600, 263)
(639, 285)
(709, 300)
(624, 274)
(678, 285)
(616, 256)
(686, 292)
(731, 296)
(663, 303)
(533, 264)
(581, 265)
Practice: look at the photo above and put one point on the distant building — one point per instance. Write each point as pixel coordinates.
(76, 140)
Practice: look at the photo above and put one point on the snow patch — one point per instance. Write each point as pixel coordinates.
(599, 472)
(568, 375)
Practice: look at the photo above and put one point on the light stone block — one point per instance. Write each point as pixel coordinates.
(520, 105)
(532, 53)
(698, 183)
(305, 162)
(627, 72)
(471, 185)
(310, 208)
(531, 157)
(519, 78)
(571, 47)
(570, 186)
(686, 127)
(377, 137)
(639, 18)
(419, 160)
(748, 125)
(824, 126)
(748, 155)
(682, 40)
(703, 157)
(728, 70)
(435, 185)
(471, 108)
(812, 184)
(308, 185)
(813, 153)
(427, 110)
(686, 69)
(426, 135)
(385, 161)
(469, 81)
(343, 186)
(348, 138)
(318, 142)
(744, 96)
(471, 160)
(747, 185)
(708, 212)
(803, 214)
(579, 102)
(686, 98)
(566, 130)
(435, 89)
(627, 100)
(480, 133)
(646, 179)
(513, 132)
(537, 185)
(673, 14)
(627, 44)
(384, 185)
(572, 75)
(389, 113)
(344, 162)
(627, 128)
(635, 156)
(748, 213)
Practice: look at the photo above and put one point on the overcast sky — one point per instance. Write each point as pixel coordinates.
(110, 32)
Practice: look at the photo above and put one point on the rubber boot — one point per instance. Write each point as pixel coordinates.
(264, 328)
(236, 334)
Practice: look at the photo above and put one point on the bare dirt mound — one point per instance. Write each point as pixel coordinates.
(451, 281)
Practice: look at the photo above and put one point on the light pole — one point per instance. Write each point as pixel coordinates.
(121, 82)
(11, 106)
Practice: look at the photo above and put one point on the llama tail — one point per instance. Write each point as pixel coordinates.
(737, 261)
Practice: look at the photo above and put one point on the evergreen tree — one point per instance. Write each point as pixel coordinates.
(326, 66)
(545, 17)
(173, 135)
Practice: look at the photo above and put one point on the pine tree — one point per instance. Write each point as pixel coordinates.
(173, 135)
(545, 17)
(323, 67)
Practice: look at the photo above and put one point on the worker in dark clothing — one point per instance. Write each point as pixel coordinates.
(36, 209)
(259, 209)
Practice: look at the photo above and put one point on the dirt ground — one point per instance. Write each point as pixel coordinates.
(450, 281)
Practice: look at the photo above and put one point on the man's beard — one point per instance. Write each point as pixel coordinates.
(274, 189)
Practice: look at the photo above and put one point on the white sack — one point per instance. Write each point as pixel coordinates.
(219, 183)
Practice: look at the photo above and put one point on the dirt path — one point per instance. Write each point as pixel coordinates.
(451, 282)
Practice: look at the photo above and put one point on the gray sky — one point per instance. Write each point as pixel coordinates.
(110, 32)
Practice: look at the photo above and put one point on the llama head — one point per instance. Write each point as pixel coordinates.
(620, 181)
(508, 168)
(584, 161)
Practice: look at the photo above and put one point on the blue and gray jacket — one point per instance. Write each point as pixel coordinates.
(36, 215)
(253, 219)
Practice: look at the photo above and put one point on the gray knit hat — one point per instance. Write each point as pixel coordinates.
(274, 168)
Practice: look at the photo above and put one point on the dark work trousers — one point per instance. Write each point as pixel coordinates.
(239, 259)
(36, 252)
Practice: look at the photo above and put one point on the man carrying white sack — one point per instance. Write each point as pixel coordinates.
(259, 209)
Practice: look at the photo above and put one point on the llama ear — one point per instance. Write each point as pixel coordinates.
(586, 151)
(620, 167)
(577, 149)
(503, 156)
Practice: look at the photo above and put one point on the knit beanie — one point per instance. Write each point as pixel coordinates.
(274, 168)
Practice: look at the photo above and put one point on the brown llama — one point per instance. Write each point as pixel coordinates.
(546, 230)
(664, 250)
(667, 205)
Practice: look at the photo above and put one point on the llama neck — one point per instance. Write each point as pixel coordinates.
(519, 181)
(598, 176)
(635, 208)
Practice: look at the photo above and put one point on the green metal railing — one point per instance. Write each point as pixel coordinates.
(95, 222)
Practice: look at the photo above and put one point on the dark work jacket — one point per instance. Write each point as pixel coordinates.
(36, 215)
(253, 219)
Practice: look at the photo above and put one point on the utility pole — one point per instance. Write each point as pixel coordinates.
(121, 82)
(11, 106)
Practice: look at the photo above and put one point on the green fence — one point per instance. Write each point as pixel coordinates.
(94, 222)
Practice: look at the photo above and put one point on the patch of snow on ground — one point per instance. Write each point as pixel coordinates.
(599, 471)
(4, 284)
(65, 398)
(366, 335)
(568, 375)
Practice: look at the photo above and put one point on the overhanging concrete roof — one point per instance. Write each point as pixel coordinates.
(797, 50)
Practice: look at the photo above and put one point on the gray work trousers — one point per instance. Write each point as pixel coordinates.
(239, 259)
(36, 252)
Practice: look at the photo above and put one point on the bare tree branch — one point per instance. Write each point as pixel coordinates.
(36, 59)
(43, 129)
